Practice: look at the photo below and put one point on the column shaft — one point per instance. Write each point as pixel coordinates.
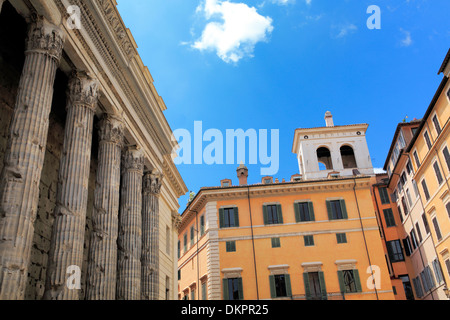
(130, 228)
(67, 243)
(150, 236)
(24, 157)
(102, 268)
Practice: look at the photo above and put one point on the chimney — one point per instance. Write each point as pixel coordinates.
(329, 119)
(242, 173)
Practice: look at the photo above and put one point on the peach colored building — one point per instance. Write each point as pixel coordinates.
(307, 238)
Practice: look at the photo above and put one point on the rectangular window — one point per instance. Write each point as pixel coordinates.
(272, 214)
(315, 288)
(341, 238)
(438, 173)
(202, 225)
(407, 245)
(447, 157)
(425, 223)
(231, 246)
(400, 213)
(179, 249)
(280, 286)
(232, 289)
(337, 210)
(419, 233)
(438, 271)
(276, 243)
(437, 229)
(416, 189)
(405, 206)
(414, 239)
(418, 287)
(408, 196)
(384, 196)
(229, 217)
(309, 241)
(395, 251)
(304, 212)
(427, 139)
(425, 190)
(409, 167)
(192, 294)
(349, 281)
(204, 292)
(416, 158)
(437, 126)
(448, 209)
(389, 217)
(447, 264)
(185, 242)
(192, 235)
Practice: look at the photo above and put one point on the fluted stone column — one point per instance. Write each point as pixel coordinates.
(24, 156)
(67, 243)
(130, 227)
(150, 235)
(102, 267)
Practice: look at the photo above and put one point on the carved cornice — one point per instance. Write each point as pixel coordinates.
(111, 130)
(82, 89)
(43, 37)
(152, 183)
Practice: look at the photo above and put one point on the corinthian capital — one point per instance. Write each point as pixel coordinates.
(133, 159)
(83, 89)
(152, 182)
(45, 37)
(111, 129)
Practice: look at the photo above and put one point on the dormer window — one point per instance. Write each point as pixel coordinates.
(225, 183)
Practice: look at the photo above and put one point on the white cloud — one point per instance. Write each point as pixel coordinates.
(233, 31)
(407, 41)
(345, 30)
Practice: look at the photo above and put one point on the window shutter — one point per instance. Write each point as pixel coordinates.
(307, 286)
(273, 292)
(266, 218)
(312, 216)
(297, 212)
(357, 280)
(241, 289)
(280, 214)
(330, 210)
(288, 285)
(225, 290)
(344, 209)
(236, 217)
(341, 281)
(221, 217)
(323, 287)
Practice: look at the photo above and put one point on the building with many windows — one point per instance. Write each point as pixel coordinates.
(314, 237)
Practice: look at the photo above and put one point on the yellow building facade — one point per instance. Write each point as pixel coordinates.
(311, 238)
(430, 156)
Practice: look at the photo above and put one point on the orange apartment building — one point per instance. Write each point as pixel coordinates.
(314, 237)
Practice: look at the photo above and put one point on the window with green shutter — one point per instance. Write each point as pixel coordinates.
(349, 281)
(337, 210)
(280, 286)
(231, 246)
(185, 242)
(272, 214)
(233, 289)
(204, 292)
(304, 212)
(192, 236)
(229, 217)
(384, 196)
(389, 218)
(315, 288)
(309, 241)
(341, 238)
(276, 243)
(202, 225)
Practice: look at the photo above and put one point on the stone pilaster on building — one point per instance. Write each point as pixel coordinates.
(150, 235)
(72, 194)
(130, 227)
(102, 265)
(24, 157)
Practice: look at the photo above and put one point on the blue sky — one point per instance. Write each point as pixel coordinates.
(281, 64)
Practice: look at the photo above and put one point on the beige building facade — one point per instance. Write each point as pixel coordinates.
(89, 191)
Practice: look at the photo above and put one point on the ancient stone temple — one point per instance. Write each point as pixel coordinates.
(88, 188)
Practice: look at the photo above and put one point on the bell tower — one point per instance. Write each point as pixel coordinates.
(332, 151)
